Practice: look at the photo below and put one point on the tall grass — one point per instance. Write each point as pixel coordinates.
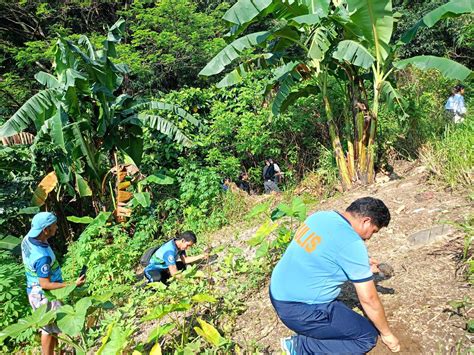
(452, 156)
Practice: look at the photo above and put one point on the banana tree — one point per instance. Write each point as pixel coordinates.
(318, 40)
(84, 114)
(367, 44)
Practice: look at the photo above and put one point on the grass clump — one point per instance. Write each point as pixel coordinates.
(452, 157)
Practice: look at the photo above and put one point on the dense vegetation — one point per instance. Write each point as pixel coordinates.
(128, 144)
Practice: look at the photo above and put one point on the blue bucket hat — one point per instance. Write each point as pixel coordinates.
(39, 222)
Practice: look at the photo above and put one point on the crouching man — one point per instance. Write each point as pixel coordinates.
(327, 250)
(171, 257)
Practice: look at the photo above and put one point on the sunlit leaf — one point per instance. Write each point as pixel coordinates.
(158, 179)
(40, 317)
(299, 209)
(447, 67)
(142, 198)
(262, 232)
(82, 220)
(354, 53)
(209, 333)
(60, 293)
(156, 349)
(9, 242)
(82, 187)
(203, 297)
(160, 331)
(47, 184)
(116, 341)
(258, 210)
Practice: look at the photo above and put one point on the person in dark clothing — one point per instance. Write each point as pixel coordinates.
(243, 182)
(269, 175)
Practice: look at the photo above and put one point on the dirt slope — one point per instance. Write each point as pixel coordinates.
(425, 280)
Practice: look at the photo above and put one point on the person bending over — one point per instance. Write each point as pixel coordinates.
(43, 272)
(171, 257)
(327, 250)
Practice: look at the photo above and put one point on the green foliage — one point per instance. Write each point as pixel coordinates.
(210, 334)
(89, 108)
(17, 183)
(111, 252)
(199, 193)
(13, 300)
(452, 37)
(40, 317)
(274, 235)
(174, 38)
(79, 113)
(69, 318)
(320, 42)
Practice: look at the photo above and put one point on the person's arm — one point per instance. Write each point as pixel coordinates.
(192, 259)
(43, 270)
(46, 283)
(277, 169)
(173, 269)
(370, 301)
(462, 106)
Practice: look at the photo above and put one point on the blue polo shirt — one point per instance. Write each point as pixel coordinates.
(40, 262)
(325, 252)
(168, 254)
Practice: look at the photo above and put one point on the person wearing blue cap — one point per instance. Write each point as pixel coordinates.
(43, 271)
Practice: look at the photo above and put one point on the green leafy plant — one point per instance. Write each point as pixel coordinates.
(184, 301)
(69, 318)
(274, 235)
(110, 250)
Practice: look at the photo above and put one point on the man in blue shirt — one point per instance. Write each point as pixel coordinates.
(43, 271)
(171, 257)
(327, 250)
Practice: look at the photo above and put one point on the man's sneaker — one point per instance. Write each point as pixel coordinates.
(288, 345)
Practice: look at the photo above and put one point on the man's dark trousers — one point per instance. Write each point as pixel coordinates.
(328, 328)
(162, 275)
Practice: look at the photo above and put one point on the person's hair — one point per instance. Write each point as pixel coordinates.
(187, 236)
(371, 207)
(458, 88)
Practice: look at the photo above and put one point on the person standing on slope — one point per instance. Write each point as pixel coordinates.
(43, 272)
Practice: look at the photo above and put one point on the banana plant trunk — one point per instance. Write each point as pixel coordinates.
(337, 147)
(364, 130)
(372, 133)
